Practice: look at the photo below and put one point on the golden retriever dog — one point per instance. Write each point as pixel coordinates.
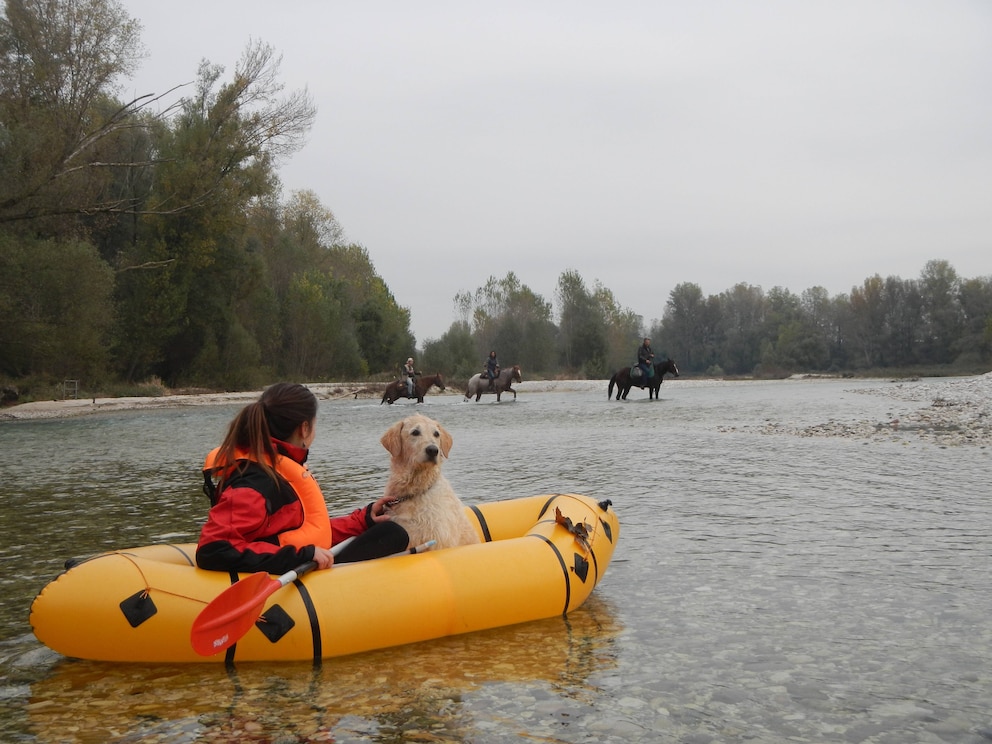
(423, 501)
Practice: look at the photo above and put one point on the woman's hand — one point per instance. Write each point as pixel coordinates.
(380, 511)
(323, 557)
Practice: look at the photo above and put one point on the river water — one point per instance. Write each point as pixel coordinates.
(767, 586)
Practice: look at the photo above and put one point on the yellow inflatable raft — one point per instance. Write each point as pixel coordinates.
(541, 556)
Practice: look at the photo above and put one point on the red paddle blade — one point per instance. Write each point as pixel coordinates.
(230, 615)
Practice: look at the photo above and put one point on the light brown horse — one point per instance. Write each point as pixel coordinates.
(477, 384)
(398, 389)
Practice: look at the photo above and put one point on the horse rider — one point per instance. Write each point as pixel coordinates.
(492, 369)
(644, 357)
(410, 376)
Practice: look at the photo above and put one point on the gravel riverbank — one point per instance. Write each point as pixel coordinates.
(947, 411)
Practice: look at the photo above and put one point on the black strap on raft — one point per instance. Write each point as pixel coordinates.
(318, 648)
(607, 529)
(275, 623)
(138, 607)
(581, 567)
(486, 535)
(564, 570)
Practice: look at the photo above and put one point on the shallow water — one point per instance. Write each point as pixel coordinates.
(766, 587)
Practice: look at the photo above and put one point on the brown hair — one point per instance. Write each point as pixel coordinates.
(275, 415)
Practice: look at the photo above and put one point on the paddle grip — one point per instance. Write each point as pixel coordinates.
(290, 576)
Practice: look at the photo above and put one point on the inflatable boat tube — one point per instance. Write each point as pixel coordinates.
(541, 556)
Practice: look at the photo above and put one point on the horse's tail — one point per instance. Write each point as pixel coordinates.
(609, 390)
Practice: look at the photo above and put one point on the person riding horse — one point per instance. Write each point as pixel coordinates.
(644, 357)
(410, 377)
(492, 368)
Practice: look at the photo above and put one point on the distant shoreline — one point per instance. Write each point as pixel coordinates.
(70, 408)
(950, 411)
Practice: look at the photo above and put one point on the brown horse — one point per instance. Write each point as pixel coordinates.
(477, 384)
(421, 385)
(624, 381)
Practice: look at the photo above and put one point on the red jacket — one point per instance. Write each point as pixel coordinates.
(242, 529)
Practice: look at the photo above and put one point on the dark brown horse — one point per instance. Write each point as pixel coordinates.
(477, 384)
(398, 389)
(625, 382)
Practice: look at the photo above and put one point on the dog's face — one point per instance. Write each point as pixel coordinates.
(417, 439)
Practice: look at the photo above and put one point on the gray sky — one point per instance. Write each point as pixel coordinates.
(640, 143)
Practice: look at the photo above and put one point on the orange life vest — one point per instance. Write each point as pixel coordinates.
(316, 526)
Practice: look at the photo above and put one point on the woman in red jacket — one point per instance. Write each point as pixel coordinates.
(267, 512)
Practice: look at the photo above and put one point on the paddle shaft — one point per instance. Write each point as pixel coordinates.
(272, 587)
(216, 629)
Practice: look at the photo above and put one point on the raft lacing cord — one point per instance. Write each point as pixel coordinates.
(149, 587)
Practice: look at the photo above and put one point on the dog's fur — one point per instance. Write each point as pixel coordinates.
(426, 506)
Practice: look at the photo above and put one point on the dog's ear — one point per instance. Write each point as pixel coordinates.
(446, 440)
(392, 440)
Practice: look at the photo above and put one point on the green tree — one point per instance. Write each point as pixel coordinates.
(584, 344)
(975, 341)
(382, 327)
(902, 321)
(56, 309)
(942, 317)
(61, 62)
(180, 281)
(623, 332)
(820, 320)
(742, 328)
(792, 340)
(454, 354)
(866, 320)
(510, 318)
(320, 339)
(683, 331)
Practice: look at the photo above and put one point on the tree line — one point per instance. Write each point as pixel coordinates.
(141, 239)
(938, 321)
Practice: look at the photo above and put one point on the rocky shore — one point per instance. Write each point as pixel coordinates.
(944, 412)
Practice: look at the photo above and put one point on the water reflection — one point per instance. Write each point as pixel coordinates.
(433, 687)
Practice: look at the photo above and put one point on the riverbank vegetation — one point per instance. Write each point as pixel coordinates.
(148, 245)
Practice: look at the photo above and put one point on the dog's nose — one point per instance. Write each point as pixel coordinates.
(432, 451)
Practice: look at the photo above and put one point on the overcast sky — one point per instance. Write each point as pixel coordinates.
(641, 144)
